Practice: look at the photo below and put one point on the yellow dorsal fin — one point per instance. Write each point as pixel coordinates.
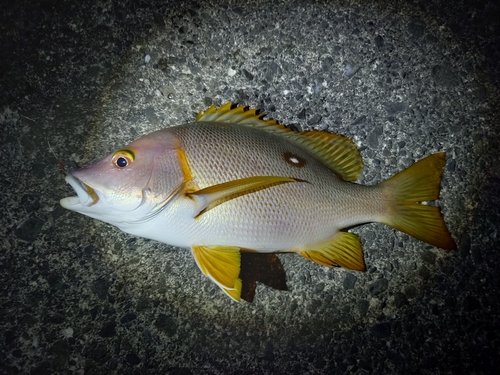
(338, 152)
(236, 115)
(212, 196)
(221, 264)
(343, 250)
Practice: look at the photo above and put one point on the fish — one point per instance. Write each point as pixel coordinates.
(233, 181)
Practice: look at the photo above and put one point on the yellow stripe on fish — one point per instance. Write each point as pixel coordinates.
(232, 182)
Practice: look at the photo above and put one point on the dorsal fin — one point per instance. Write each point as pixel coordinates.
(237, 115)
(338, 152)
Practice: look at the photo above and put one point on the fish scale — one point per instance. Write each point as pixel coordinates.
(260, 221)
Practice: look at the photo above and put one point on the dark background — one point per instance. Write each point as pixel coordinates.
(78, 296)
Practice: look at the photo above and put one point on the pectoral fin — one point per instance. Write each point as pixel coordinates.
(343, 250)
(221, 264)
(212, 196)
(235, 293)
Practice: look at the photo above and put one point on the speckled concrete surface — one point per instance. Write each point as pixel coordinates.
(402, 79)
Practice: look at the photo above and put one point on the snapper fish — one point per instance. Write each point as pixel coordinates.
(234, 182)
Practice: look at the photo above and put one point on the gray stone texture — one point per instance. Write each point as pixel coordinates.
(403, 79)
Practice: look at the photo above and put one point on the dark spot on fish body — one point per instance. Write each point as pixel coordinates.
(294, 159)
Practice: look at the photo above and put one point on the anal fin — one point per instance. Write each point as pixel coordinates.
(344, 250)
(221, 264)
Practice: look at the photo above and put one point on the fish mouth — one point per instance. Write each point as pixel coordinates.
(86, 195)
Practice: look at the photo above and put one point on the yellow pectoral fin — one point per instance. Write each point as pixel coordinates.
(235, 293)
(344, 250)
(212, 196)
(221, 264)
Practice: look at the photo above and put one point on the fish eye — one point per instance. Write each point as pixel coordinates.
(123, 158)
(121, 162)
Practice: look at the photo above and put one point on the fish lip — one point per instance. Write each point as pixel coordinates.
(86, 195)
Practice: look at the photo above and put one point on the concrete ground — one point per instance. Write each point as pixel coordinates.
(403, 79)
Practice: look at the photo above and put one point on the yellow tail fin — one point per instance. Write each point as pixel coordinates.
(416, 184)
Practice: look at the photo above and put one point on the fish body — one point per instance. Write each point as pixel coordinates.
(233, 182)
(284, 217)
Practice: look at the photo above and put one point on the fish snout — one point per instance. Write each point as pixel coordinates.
(86, 195)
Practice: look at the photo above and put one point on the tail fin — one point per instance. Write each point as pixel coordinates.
(407, 189)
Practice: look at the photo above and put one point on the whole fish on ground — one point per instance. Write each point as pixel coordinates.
(233, 182)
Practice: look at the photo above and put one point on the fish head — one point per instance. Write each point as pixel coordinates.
(130, 185)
